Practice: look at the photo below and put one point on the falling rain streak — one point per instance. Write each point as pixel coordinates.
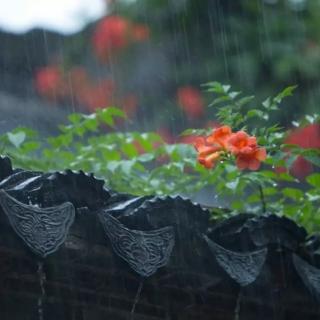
(113, 87)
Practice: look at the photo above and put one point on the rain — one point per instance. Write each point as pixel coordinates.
(159, 159)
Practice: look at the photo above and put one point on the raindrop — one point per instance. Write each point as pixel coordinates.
(137, 297)
(42, 279)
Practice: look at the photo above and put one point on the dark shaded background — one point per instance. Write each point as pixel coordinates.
(257, 46)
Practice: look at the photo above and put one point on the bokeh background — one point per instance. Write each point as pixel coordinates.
(150, 57)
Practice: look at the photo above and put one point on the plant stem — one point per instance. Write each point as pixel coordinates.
(263, 202)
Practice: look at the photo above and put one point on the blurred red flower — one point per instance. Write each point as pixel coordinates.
(140, 32)
(191, 101)
(93, 98)
(130, 104)
(78, 78)
(301, 168)
(96, 96)
(48, 81)
(110, 36)
(307, 137)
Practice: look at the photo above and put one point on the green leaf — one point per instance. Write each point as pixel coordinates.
(30, 133)
(91, 124)
(255, 113)
(234, 94)
(295, 124)
(245, 100)
(113, 165)
(313, 159)
(16, 138)
(219, 100)
(226, 88)
(232, 185)
(129, 150)
(217, 87)
(127, 166)
(290, 160)
(75, 118)
(313, 195)
(314, 179)
(310, 118)
(237, 205)
(31, 146)
(293, 193)
(146, 157)
(194, 132)
(270, 191)
(285, 93)
(107, 115)
(253, 198)
(286, 177)
(61, 141)
(269, 174)
(267, 103)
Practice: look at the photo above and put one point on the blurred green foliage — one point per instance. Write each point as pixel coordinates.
(258, 45)
(141, 163)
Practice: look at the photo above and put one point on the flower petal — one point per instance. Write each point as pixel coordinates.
(254, 164)
(261, 154)
(241, 163)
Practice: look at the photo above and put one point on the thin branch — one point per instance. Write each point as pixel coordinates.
(263, 202)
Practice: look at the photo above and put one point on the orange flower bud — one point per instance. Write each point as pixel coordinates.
(209, 160)
(220, 136)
